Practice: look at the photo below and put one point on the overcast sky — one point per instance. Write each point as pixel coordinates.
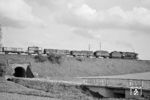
(122, 25)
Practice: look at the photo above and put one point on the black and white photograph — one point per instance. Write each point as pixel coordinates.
(74, 50)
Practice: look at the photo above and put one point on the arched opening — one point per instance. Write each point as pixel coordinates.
(20, 72)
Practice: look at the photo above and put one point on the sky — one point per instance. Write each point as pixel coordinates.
(112, 25)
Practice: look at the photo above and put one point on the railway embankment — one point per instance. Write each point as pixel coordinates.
(77, 67)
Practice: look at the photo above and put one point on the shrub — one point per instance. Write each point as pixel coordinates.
(40, 58)
(2, 69)
(79, 59)
(54, 58)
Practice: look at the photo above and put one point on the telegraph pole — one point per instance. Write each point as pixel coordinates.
(89, 47)
(0, 36)
(100, 46)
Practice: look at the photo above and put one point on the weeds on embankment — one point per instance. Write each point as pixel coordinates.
(52, 58)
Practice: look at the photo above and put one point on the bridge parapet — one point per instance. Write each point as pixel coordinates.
(117, 82)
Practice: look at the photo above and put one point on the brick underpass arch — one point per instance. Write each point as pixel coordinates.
(19, 72)
(22, 70)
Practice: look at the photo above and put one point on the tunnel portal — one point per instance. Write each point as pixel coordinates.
(19, 72)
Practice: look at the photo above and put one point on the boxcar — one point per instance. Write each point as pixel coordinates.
(56, 51)
(115, 54)
(34, 50)
(101, 53)
(75, 53)
(87, 53)
(7, 50)
(49, 51)
(82, 53)
(129, 55)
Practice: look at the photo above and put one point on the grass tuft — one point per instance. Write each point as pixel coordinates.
(40, 58)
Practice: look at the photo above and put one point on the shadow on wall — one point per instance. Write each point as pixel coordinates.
(21, 72)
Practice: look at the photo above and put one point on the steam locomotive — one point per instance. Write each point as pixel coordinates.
(74, 53)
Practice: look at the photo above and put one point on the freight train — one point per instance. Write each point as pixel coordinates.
(74, 53)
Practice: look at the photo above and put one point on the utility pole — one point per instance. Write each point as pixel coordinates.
(100, 46)
(0, 36)
(89, 47)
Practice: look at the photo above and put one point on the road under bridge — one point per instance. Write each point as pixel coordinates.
(123, 86)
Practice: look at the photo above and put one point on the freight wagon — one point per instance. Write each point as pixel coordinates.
(8, 50)
(101, 53)
(82, 53)
(129, 55)
(56, 51)
(115, 54)
(34, 50)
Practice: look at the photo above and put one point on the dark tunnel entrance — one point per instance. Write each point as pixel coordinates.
(20, 72)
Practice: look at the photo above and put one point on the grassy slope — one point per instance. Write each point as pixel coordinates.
(9, 88)
(35, 90)
(10, 96)
(71, 67)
